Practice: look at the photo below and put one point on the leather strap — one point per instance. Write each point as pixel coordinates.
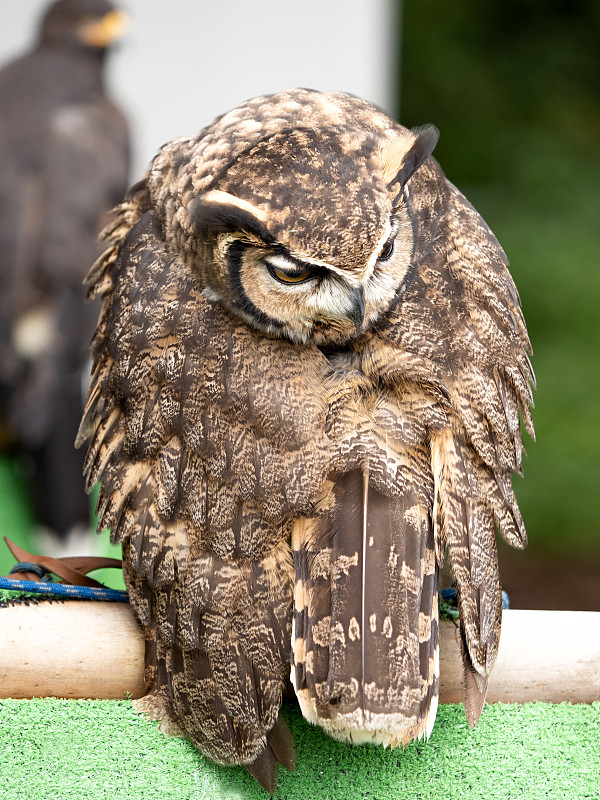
(70, 569)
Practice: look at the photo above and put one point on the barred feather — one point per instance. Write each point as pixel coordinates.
(365, 664)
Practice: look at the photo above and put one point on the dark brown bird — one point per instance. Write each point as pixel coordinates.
(308, 375)
(63, 164)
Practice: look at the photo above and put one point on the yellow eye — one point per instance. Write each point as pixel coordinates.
(290, 276)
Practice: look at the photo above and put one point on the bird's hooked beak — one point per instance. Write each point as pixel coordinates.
(357, 311)
(104, 31)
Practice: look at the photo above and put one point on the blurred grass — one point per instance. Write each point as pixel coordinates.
(16, 516)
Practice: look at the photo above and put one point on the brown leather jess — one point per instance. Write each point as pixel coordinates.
(70, 569)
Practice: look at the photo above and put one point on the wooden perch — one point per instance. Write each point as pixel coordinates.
(550, 656)
(96, 650)
(78, 649)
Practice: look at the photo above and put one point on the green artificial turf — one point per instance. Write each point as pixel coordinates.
(102, 749)
(11, 597)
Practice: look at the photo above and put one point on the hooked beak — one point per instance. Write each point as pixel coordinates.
(357, 310)
(105, 31)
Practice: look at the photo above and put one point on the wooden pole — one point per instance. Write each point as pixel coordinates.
(96, 650)
(78, 649)
(550, 656)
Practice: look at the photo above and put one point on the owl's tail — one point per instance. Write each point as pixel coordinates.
(365, 633)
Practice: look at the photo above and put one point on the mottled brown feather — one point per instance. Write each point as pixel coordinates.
(245, 466)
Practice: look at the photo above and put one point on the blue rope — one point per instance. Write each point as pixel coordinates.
(65, 590)
(28, 566)
(450, 596)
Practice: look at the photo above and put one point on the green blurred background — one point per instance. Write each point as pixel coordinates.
(514, 87)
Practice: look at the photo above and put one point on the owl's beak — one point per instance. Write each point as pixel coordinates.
(357, 310)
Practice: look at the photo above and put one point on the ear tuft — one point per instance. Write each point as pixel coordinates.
(400, 164)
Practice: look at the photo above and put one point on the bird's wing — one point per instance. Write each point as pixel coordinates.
(459, 322)
(65, 159)
(85, 174)
(204, 437)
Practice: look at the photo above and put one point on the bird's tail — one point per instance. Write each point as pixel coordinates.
(365, 632)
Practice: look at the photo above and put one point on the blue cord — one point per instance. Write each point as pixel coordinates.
(65, 590)
(450, 596)
(28, 566)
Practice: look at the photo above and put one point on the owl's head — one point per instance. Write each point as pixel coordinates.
(303, 229)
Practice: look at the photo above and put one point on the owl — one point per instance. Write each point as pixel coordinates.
(309, 373)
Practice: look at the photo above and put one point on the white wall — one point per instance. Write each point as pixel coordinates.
(183, 62)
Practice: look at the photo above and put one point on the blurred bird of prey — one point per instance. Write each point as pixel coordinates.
(64, 154)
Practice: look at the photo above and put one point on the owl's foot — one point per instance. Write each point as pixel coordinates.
(156, 705)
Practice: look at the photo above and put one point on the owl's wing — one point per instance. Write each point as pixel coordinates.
(201, 446)
(459, 319)
(84, 174)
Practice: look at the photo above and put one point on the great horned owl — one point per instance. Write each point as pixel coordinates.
(309, 370)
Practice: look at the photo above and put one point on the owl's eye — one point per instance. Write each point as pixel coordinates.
(387, 249)
(298, 275)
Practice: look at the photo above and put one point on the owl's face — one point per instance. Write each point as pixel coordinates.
(307, 234)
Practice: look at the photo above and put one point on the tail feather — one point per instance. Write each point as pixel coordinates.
(365, 621)
(264, 770)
